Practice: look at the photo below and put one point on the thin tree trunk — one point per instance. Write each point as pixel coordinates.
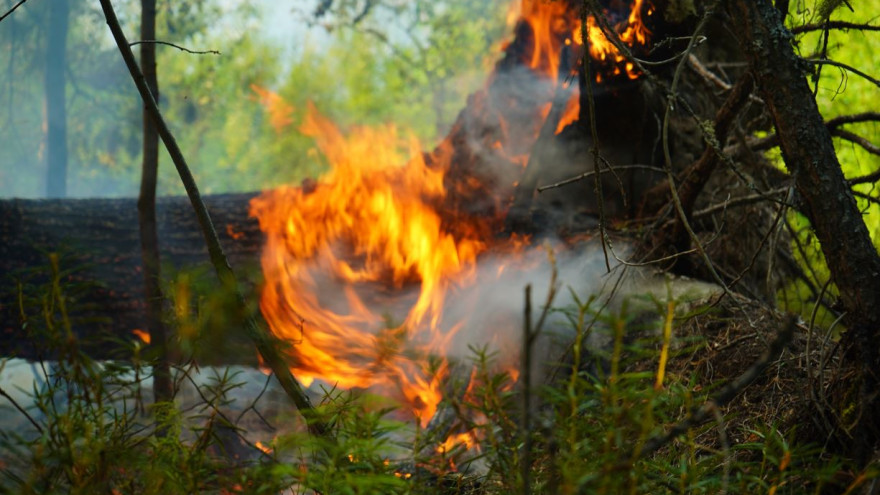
(56, 112)
(826, 200)
(263, 341)
(162, 388)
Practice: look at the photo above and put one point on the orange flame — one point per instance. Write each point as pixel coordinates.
(466, 439)
(142, 335)
(554, 24)
(357, 265)
(366, 222)
(280, 112)
(633, 32)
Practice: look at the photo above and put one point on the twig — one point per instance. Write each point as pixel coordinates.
(713, 78)
(708, 75)
(833, 25)
(745, 200)
(866, 196)
(17, 406)
(772, 140)
(572, 180)
(844, 66)
(726, 394)
(10, 11)
(181, 48)
(649, 63)
(262, 340)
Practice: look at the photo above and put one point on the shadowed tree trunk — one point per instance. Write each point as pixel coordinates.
(56, 112)
(826, 200)
(147, 212)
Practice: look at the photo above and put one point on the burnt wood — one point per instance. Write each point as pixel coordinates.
(100, 260)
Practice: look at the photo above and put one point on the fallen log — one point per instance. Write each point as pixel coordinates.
(98, 246)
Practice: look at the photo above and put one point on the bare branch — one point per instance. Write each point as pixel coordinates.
(852, 119)
(833, 25)
(745, 200)
(844, 66)
(183, 49)
(572, 180)
(868, 197)
(859, 140)
(16, 405)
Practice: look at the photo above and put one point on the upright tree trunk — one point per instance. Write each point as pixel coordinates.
(826, 200)
(162, 387)
(56, 112)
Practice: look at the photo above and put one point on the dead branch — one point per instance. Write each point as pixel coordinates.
(181, 48)
(585, 175)
(742, 201)
(696, 177)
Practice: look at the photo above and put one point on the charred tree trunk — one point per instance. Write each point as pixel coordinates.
(101, 262)
(56, 110)
(825, 198)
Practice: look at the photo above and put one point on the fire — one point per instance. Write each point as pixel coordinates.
(368, 223)
(556, 24)
(552, 23)
(467, 440)
(633, 32)
(358, 264)
(144, 336)
(280, 112)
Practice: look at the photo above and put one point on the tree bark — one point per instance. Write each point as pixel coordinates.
(825, 199)
(56, 110)
(162, 387)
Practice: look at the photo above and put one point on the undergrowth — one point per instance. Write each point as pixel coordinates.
(89, 427)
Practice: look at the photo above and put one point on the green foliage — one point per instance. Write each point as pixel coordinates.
(413, 65)
(94, 433)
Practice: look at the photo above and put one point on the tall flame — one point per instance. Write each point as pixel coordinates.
(358, 264)
(634, 32)
(367, 221)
